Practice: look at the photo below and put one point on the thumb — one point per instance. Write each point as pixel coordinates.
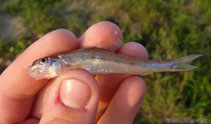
(72, 98)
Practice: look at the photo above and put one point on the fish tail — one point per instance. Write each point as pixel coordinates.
(182, 63)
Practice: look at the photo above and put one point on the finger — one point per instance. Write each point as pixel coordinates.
(29, 121)
(17, 88)
(104, 34)
(125, 103)
(110, 82)
(72, 98)
(134, 49)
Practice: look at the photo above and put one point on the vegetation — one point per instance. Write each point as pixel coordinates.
(166, 28)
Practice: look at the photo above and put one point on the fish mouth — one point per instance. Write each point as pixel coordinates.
(38, 73)
(33, 72)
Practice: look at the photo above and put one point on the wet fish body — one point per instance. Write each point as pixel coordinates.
(100, 61)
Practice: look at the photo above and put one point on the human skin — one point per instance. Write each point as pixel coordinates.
(75, 96)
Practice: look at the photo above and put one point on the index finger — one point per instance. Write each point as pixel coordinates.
(21, 84)
(17, 88)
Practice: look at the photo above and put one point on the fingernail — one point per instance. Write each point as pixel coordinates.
(74, 93)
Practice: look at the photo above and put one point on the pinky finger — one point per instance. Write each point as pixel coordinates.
(125, 103)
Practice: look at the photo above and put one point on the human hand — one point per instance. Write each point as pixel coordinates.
(76, 96)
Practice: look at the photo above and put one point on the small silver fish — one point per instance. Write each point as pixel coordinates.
(100, 61)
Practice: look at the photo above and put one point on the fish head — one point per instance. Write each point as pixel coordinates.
(47, 67)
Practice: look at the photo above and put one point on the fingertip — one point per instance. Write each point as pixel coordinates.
(54, 42)
(136, 88)
(131, 92)
(104, 34)
(60, 33)
(72, 96)
(73, 83)
(134, 49)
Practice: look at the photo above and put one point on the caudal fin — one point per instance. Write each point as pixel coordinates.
(182, 64)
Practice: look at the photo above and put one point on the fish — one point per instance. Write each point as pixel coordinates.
(101, 61)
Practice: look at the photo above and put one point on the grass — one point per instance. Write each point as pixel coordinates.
(167, 29)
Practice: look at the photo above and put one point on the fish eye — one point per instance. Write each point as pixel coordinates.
(43, 60)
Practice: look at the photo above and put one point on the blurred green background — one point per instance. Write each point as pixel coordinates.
(167, 29)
